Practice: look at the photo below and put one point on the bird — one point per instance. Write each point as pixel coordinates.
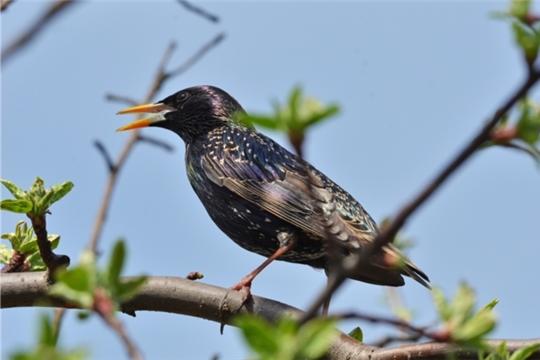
(265, 198)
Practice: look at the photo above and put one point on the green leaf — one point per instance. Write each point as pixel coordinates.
(127, 288)
(317, 117)
(14, 189)
(47, 348)
(357, 334)
(263, 121)
(463, 303)
(6, 254)
(61, 190)
(17, 206)
(527, 39)
(29, 247)
(524, 352)
(315, 337)
(466, 327)
(258, 334)
(294, 116)
(36, 262)
(77, 284)
(491, 304)
(528, 126)
(116, 262)
(83, 298)
(54, 240)
(78, 279)
(478, 326)
(441, 304)
(83, 315)
(43, 204)
(13, 239)
(520, 8)
(47, 337)
(294, 104)
(37, 190)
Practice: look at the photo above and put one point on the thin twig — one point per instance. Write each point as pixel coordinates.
(512, 145)
(390, 321)
(199, 11)
(157, 142)
(51, 260)
(17, 263)
(121, 99)
(198, 55)
(390, 231)
(5, 4)
(159, 80)
(52, 12)
(57, 322)
(104, 306)
(103, 151)
(385, 341)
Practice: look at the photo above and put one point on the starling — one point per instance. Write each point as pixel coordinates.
(266, 199)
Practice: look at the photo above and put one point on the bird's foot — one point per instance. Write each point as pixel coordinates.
(244, 286)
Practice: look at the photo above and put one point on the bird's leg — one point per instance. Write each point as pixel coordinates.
(287, 241)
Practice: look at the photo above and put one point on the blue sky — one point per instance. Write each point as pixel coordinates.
(415, 81)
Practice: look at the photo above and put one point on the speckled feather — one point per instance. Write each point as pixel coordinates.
(253, 188)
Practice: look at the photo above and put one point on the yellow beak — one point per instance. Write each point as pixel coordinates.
(159, 108)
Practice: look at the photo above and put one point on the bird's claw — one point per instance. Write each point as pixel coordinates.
(244, 287)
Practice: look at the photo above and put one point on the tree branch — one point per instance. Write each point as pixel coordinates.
(104, 306)
(156, 142)
(205, 14)
(120, 98)
(220, 305)
(422, 331)
(106, 156)
(389, 232)
(4, 5)
(45, 19)
(51, 260)
(135, 136)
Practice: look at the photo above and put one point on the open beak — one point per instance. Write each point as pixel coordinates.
(159, 108)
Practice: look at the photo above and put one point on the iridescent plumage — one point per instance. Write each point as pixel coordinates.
(254, 189)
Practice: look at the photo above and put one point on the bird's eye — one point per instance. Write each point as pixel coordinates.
(182, 97)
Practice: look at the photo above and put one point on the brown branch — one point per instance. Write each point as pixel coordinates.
(198, 55)
(199, 11)
(389, 232)
(17, 263)
(5, 4)
(134, 137)
(156, 142)
(513, 145)
(51, 260)
(104, 306)
(52, 12)
(106, 156)
(437, 351)
(385, 341)
(422, 331)
(209, 302)
(121, 99)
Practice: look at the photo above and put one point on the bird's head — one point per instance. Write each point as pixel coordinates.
(190, 112)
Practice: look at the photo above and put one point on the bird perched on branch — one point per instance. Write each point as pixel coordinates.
(266, 199)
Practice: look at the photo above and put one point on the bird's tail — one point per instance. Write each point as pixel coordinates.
(387, 268)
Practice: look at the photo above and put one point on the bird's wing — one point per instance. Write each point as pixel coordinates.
(293, 191)
(266, 174)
